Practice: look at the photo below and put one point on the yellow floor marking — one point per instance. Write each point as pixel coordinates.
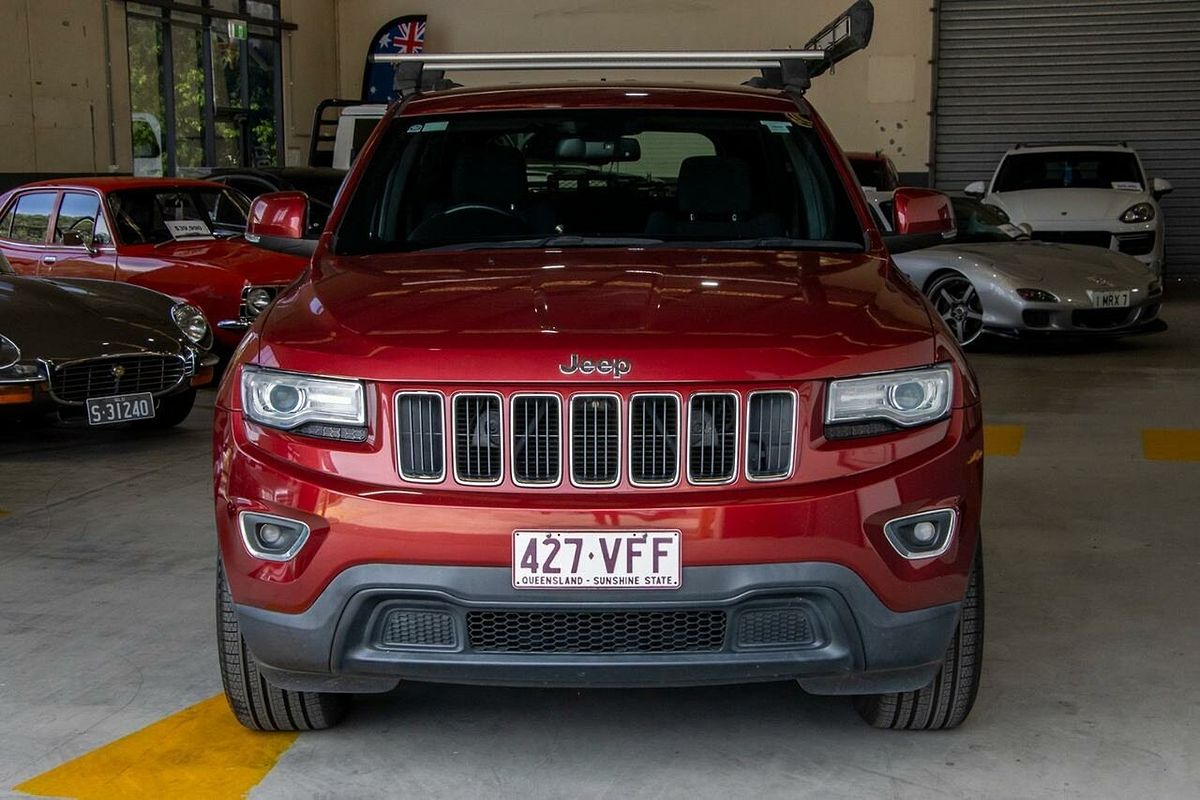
(200, 752)
(3, 513)
(1003, 440)
(1171, 444)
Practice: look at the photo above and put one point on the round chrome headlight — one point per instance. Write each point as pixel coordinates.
(257, 300)
(9, 352)
(191, 321)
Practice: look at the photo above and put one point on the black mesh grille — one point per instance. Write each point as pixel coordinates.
(1093, 238)
(477, 455)
(769, 430)
(774, 627)
(536, 440)
(596, 631)
(74, 383)
(420, 438)
(1102, 317)
(418, 628)
(712, 437)
(1136, 244)
(595, 439)
(654, 439)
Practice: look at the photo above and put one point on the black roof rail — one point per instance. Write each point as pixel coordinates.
(791, 70)
(1020, 145)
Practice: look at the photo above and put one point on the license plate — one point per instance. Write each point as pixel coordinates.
(1109, 299)
(120, 408)
(596, 560)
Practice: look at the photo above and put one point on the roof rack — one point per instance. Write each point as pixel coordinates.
(1021, 145)
(791, 70)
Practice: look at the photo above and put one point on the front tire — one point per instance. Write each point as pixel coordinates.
(256, 703)
(948, 699)
(957, 302)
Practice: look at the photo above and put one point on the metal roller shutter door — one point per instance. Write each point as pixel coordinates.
(1012, 71)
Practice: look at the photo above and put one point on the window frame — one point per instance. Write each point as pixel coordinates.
(103, 213)
(51, 218)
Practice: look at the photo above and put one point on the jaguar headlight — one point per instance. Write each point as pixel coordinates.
(191, 321)
(288, 400)
(1142, 212)
(907, 398)
(257, 299)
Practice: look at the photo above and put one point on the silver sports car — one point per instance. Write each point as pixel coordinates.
(992, 278)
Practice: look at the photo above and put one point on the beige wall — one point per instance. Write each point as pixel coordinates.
(56, 115)
(879, 99)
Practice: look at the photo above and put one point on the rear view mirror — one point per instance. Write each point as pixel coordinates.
(1160, 188)
(278, 221)
(598, 151)
(976, 189)
(922, 211)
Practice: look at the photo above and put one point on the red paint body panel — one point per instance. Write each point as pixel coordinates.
(210, 274)
(689, 319)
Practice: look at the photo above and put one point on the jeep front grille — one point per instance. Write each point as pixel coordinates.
(769, 435)
(712, 438)
(103, 377)
(672, 631)
(536, 441)
(477, 438)
(420, 436)
(653, 439)
(595, 440)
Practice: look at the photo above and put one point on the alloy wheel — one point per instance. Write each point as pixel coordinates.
(958, 304)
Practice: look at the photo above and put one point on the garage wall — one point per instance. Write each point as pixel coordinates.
(878, 99)
(57, 114)
(1014, 71)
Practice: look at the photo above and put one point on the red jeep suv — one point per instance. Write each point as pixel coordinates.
(600, 385)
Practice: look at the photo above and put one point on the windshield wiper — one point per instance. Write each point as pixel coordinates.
(558, 240)
(769, 243)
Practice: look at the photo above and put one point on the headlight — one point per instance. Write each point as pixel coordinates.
(904, 398)
(257, 299)
(9, 352)
(288, 400)
(1037, 296)
(191, 321)
(1142, 212)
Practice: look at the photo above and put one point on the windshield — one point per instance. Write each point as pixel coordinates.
(979, 222)
(1069, 170)
(874, 173)
(154, 216)
(599, 177)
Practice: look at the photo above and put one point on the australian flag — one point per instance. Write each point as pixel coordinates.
(401, 35)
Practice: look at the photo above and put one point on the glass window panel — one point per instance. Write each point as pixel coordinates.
(77, 214)
(260, 9)
(227, 71)
(263, 134)
(187, 63)
(31, 217)
(146, 96)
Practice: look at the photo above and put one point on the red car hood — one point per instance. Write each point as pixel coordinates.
(675, 316)
(256, 265)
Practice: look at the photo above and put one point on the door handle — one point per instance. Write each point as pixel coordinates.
(49, 259)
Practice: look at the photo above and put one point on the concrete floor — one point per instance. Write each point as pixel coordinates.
(1091, 675)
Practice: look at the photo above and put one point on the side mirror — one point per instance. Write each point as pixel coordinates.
(922, 211)
(1160, 188)
(278, 215)
(976, 189)
(279, 221)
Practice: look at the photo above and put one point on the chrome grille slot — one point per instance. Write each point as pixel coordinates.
(653, 440)
(595, 440)
(420, 436)
(536, 440)
(712, 438)
(103, 377)
(769, 435)
(477, 435)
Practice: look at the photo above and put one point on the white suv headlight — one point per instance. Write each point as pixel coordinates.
(1142, 212)
(288, 400)
(908, 398)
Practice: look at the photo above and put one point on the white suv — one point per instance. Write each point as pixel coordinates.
(1082, 194)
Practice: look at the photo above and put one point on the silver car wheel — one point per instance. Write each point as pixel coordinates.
(959, 306)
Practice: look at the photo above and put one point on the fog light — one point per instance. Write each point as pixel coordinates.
(923, 535)
(272, 538)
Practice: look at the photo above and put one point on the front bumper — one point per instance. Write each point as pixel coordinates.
(815, 622)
